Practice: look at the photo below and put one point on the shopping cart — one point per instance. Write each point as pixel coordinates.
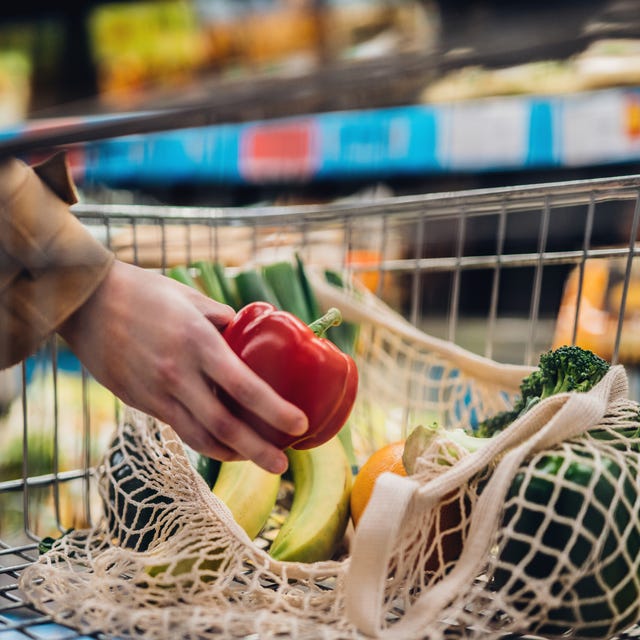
(490, 270)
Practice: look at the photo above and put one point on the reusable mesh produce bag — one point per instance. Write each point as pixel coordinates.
(408, 377)
(167, 560)
(551, 544)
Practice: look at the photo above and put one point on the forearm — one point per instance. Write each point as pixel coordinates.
(49, 263)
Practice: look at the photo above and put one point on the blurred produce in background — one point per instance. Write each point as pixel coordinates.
(143, 44)
(148, 44)
(15, 87)
(123, 55)
(121, 51)
(602, 64)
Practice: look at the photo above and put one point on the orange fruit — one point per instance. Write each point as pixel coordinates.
(387, 458)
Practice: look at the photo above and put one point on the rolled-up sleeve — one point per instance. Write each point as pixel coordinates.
(49, 262)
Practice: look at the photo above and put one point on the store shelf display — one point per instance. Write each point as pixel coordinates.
(489, 134)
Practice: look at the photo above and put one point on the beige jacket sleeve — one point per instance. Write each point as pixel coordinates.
(49, 263)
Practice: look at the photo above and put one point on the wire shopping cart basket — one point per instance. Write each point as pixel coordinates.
(504, 273)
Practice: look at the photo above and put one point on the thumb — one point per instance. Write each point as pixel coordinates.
(219, 314)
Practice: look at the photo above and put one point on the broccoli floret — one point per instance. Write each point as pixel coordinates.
(570, 369)
(531, 386)
(531, 389)
(567, 368)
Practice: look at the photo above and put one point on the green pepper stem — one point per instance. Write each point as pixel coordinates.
(332, 318)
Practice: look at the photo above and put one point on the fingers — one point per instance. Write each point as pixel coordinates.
(250, 390)
(172, 412)
(194, 433)
(224, 430)
(225, 369)
(226, 438)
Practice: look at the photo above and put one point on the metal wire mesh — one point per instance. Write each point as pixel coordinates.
(486, 269)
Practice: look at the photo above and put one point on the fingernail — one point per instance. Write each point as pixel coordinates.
(278, 465)
(301, 426)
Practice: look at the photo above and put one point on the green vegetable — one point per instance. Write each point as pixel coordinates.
(252, 287)
(46, 543)
(182, 274)
(285, 283)
(570, 522)
(344, 335)
(578, 488)
(312, 302)
(453, 443)
(228, 290)
(132, 503)
(346, 438)
(207, 468)
(568, 368)
(208, 279)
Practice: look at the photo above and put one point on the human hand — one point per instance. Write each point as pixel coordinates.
(156, 344)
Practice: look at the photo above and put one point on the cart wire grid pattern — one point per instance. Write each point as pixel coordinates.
(505, 273)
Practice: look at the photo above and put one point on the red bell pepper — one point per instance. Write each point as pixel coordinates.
(304, 367)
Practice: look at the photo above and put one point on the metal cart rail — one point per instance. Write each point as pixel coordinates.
(485, 269)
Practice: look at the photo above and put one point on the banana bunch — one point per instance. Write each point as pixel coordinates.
(317, 520)
(249, 491)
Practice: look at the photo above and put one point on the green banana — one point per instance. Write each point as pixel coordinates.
(319, 514)
(249, 491)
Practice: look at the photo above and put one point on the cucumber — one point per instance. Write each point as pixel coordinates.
(207, 468)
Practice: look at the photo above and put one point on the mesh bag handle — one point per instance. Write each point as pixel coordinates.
(357, 304)
(408, 377)
(553, 420)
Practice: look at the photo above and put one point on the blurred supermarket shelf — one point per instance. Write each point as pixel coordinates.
(334, 87)
(501, 133)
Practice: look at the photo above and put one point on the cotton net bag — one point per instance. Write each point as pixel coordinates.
(167, 560)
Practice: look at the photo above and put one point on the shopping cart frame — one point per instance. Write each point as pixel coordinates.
(410, 214)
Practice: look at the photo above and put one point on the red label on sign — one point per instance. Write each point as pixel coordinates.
(279, 151)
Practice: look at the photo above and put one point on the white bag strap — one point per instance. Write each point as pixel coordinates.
(361, 306)
(554, 420)
(381, 523)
